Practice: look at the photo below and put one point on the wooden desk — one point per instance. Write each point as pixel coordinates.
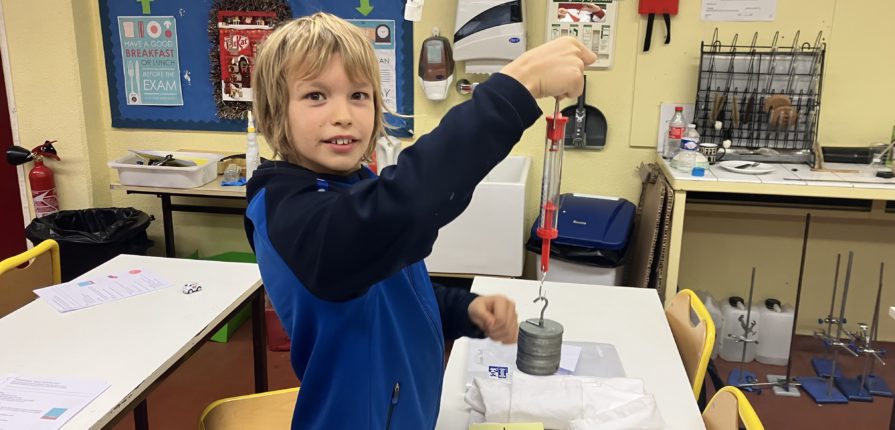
(632, 319)
(132, 343)
(782, 182)
(212, 190)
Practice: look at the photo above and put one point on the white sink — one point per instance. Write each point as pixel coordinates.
(488, 238)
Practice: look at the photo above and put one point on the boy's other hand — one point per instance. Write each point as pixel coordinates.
(496, 316)
(554, 69)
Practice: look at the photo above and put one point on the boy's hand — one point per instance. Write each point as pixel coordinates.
(554, 69)
(496, 316)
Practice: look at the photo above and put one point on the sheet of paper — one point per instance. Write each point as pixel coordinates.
(493, 360)
(568, 360)
(43, 404)
(739, 10)
(83, 293)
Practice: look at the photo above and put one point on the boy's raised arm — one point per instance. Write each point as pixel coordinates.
(340, 243)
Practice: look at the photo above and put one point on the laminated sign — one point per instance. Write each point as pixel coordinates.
(150, 60)
(240, 34)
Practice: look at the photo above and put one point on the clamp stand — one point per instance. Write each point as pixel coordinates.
(821, 388)
(876, 385)
(785, 385)
(853, 388)
(823, 367)
(862, 388)
(740, 377)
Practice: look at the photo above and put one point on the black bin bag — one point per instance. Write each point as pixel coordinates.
(90, 237)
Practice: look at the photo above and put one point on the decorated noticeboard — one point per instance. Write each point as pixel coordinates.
(175, 64)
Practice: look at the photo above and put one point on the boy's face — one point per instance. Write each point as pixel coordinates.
(331, 120)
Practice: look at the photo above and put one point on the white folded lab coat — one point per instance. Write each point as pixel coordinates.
(565, 402)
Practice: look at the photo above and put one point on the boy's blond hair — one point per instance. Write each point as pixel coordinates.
(301, 49)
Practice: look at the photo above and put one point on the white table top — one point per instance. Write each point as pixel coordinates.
(211, 189)
(128, 343)
(632, 319)
(787, 179)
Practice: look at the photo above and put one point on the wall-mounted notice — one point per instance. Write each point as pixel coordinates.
(381, 34)
(240, 34)
(739, 10)
(150, 60)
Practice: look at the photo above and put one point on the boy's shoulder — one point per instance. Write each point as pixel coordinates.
(280, 179)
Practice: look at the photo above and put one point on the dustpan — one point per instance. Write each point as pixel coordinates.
(590, 132)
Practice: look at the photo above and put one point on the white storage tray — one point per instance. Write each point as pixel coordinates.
(131, 173)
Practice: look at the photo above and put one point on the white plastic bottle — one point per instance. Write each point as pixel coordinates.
(676, 129)
(733, 310)
(690, 140)
(776, 333)
(253, 157)
(689, 155)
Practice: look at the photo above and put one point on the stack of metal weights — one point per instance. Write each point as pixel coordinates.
(539, 346)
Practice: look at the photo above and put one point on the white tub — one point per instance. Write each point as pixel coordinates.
(131, 173)
(489, 237)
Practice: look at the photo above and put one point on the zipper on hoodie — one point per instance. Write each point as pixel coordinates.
(391, 405)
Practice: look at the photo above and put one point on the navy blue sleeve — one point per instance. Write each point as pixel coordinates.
(453, 304)
(340, 243)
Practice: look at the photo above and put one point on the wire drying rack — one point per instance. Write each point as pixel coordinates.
(766, 98)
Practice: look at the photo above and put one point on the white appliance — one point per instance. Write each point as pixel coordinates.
(488, 34)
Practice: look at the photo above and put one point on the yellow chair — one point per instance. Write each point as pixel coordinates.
(269, 410)
(728, 407)
(694, 339)
(17, 285)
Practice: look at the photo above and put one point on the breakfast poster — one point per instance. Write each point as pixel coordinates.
(150, 60)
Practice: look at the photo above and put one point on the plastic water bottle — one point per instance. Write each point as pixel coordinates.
(253, 157)
(690, 140)
(675, 132)
(689, 157)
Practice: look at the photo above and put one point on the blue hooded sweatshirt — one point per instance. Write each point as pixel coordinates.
(341, 258)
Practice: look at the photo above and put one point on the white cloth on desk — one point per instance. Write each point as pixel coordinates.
(565, 402)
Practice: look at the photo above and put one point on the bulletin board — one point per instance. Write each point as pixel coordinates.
(175, 90)
(392, 39)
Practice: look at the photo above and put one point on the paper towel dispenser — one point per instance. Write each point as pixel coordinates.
(488, 34)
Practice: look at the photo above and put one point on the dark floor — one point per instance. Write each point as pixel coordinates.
(778, 412)
(215, 371)
(222, 370)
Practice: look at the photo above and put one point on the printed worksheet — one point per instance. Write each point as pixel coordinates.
(43, 404)
(83, 293)
(739, 10)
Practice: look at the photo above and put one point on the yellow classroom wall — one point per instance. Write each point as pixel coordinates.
(59, 82)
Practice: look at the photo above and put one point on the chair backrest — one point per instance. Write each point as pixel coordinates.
(17, 285)
(262, 411)
(728, 407)
(694, 339)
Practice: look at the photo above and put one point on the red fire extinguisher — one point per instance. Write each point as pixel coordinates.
(43, 187)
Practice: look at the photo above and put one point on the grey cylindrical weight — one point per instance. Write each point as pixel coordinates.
(539, 348)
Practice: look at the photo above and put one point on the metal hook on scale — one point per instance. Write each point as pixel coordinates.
(544, 308)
